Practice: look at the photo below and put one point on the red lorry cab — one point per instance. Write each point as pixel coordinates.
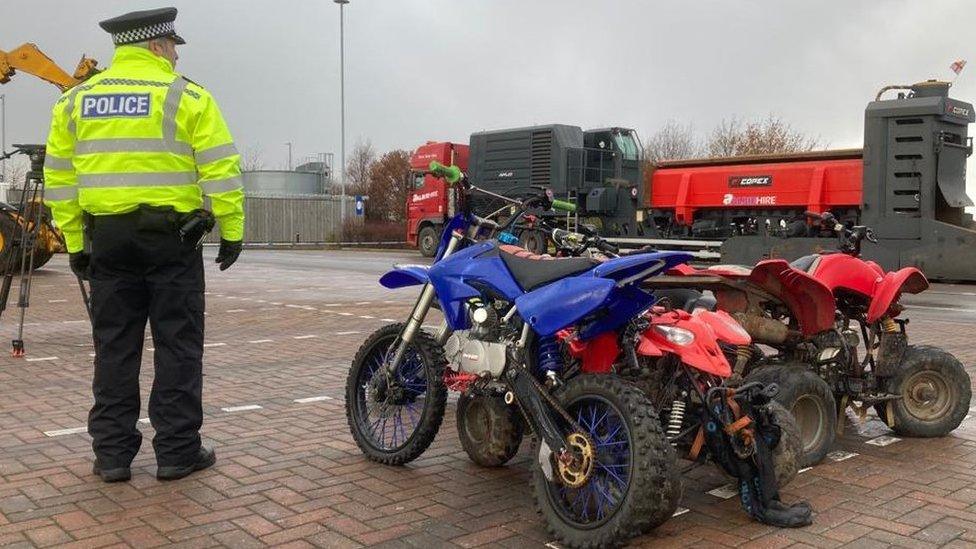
(428, 204)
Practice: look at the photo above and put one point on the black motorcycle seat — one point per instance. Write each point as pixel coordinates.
(531, 270)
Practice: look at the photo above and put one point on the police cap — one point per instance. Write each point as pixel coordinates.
(140, 26)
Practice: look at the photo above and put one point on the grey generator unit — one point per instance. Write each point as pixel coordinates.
(914, 189)
(599, 170)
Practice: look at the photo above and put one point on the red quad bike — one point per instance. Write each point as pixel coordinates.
(676, 358)
(821, 313)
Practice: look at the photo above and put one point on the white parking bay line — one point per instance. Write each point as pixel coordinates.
(235, 311)
(725, 491)
(57, 301)
(679, 511)
(346, 314)
(388, 319)
(883, 440)
(804, 470)
(310, 336)
(367, 317)
(347, 333)
(72, 431)
(214, 344)
(312, 399)
(42, 359)
(840, 455)
(243, 408)
(261, 341)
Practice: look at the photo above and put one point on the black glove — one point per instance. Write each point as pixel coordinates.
(79, 262)
(228, 253)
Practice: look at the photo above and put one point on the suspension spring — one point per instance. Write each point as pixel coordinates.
(888, 325)
(743, 354)
(550, 356)
(675, 420)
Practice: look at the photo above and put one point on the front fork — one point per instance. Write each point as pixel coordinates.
(419, 313)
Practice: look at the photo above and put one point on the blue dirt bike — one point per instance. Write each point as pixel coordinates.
(603, 470)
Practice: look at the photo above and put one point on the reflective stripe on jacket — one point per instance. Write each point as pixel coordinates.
(139, 133)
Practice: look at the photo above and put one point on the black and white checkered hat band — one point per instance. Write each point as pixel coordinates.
(144, 33)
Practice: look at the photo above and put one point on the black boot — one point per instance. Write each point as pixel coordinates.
(116, 474)
(205, 459)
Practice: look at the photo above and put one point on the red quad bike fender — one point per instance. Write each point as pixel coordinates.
(811, 302)
(726, 328)
(889, 290)
(702, 353)
(598, 354)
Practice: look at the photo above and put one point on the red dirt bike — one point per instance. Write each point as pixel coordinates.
(677, 358)
(819, 312)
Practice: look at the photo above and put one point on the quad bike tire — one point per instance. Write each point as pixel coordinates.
(430, 418)
(490, 430)
(655, 486)
(936, 392)
(788, 453)
(427, 241)
(812, 403)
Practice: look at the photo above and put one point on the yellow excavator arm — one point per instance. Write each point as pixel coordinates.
(28, 58)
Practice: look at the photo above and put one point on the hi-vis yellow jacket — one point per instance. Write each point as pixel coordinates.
(139, 133)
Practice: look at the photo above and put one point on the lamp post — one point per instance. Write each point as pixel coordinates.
(289, 155)
(342, 118)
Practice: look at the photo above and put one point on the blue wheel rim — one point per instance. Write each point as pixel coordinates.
(390, 425)
(594, 503)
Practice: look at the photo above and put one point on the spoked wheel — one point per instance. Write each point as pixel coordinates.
(935, 392)
(623, 480)
(395, 418)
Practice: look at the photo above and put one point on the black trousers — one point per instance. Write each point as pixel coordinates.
(140, 269)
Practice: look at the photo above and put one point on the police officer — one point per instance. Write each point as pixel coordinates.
(134, 155)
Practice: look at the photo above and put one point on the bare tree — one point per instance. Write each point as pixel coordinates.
(672, 141)
(767, 136)
(724, 139)
(388, 186)
(252, 159)
(14, 178)
(361, 158)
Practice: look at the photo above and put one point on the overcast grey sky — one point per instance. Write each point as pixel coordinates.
(440, 69)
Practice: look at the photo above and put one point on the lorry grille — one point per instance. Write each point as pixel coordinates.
(540, 164)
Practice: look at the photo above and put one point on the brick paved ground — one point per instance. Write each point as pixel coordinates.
(283, 328)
